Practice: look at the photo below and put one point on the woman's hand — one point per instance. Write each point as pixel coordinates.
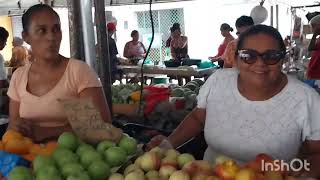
(24, 126)
(155, 141)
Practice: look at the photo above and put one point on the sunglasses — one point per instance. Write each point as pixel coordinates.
(270, 57)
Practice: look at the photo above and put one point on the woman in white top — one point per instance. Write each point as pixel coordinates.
(255, 108)
(134, 48)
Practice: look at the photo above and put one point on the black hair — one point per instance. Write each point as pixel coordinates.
(226, 27)
(26, 17)
(175, 26)
(261, 29)
(134, 32)
(4, 34)
(244, 21)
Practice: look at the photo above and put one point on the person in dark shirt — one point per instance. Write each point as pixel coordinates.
(116, 74)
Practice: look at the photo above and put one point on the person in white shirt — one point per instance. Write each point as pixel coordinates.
(3, 42)
(255, 108)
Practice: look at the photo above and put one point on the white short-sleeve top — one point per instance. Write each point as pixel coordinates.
(241, 129)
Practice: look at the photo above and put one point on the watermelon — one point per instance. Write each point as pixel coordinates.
(199, 81)
(177, 92)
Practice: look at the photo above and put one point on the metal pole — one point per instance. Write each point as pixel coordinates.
(103, 50)
(271, 16)
(88, 32)
(277, 16)
(75, 30)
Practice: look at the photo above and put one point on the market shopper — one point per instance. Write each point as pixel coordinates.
(226, 30)
(255, 108)
(4, 34)
(19, 57)
(35, 88)
(179, 48)
(313, 71)
(134, 49)
(242, 24)
(178, 44)
(116, 74)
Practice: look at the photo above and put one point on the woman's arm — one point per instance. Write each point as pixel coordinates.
(126, 50)
(310, 151)
(16, 123)
(312, 44)
(191, 126)
(99, 100)
(173, 54)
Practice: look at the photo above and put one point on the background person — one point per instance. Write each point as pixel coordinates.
(313, 71)
(178, 43)
(225, 32)
(35, 88)
(116, 74)
(134, 49)
(242, 24)
(4, 34)
(255, 108)
(19, 57)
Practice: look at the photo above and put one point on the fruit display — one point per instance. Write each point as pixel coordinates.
(74, 159)
(160, 164)
(14, 142)
(125, 93)
(187, 94)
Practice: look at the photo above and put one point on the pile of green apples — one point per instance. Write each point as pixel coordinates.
(76, 160)
(160, 164)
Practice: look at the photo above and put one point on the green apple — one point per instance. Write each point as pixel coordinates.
(152, 174)
(135, 175)
(129, 144)
(116, 176)
(172, 154)
(20, 173)
(158, 151)
(166, 171)
(71, 168)
(48, 177)
(64, 156)
(104, 145)
(79, 176)
(84, 147)
(249, 174)
(41, 161)
(150, 161)
(177, 175)
(115, 156)
(68, 140)
(130, 168)
(48, 170)
(89, 157)
(99, 170)
(184, 159)
(138, 161)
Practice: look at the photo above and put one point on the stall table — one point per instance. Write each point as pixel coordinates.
(152, 71)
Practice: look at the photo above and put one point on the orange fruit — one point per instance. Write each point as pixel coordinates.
(28, 142)
(11, 134)
(29, 157)
(35, 149)
(17, 146)
(1, 146)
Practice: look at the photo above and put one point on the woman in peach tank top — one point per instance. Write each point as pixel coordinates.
(35, 88)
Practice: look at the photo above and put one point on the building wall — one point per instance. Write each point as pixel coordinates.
(202, 22)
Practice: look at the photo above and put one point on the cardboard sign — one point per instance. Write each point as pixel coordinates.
(87, 123)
